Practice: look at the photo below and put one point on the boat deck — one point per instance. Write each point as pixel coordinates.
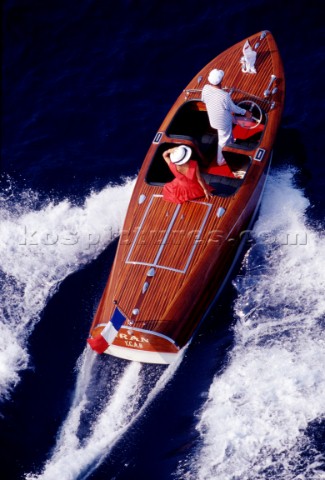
(173, 259)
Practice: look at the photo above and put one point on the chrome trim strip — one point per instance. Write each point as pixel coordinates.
(164, 241)
(158, 266)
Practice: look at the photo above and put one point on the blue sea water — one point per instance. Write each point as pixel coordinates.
(85, 86)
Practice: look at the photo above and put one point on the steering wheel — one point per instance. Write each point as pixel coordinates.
(255, 120)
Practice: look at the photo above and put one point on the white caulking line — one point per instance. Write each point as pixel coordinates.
(209, 205)
(140, 228)
(155, 264)
(164, 241)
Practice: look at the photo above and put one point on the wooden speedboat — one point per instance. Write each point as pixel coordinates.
(173, 259)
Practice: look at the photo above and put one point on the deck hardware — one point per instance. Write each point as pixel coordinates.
(256, 45)
(199, 79)
(135, 311)
(260, 154)
(145, 287)
(142, 198)
(263, 35)
(268, 90)
(130, 322)
(158, 137)
(272, 105)
(275, 89)
(115, 302)
(220, 211)
(151, 272)
(191, 90)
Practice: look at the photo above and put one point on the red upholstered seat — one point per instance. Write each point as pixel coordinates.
(245, 133)
(223, 171)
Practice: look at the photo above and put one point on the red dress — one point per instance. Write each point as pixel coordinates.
(185, 186)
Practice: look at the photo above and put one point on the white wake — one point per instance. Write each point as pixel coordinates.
(257, 421)
(129, 391)
(39, 248)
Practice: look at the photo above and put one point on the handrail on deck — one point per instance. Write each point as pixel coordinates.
(269, 103)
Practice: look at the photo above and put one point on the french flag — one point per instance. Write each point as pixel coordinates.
(107, 336)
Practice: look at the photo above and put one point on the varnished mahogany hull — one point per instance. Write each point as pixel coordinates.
(172, 260)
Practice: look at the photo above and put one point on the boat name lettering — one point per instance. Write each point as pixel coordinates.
(133, 338)
(133, 344)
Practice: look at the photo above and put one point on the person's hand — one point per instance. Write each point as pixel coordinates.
(207, 194)
(170, 150)
(248, 114)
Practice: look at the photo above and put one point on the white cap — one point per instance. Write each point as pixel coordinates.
(215, 76)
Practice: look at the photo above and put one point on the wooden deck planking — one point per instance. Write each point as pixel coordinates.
(127, 279)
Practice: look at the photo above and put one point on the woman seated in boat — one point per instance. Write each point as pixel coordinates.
(188, 183)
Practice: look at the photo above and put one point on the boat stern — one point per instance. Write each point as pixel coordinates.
(135, 344)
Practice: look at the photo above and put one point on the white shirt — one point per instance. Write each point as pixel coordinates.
(219, 107)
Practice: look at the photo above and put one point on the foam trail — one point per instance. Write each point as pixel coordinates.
(76, 456)
(39, 248)
(72, 457)
(258, 420)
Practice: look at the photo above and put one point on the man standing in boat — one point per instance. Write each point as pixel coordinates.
(220, 108)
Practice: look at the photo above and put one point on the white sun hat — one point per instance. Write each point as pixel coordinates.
(215, 76)
(181, 155)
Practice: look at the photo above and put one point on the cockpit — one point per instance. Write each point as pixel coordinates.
(190, 126)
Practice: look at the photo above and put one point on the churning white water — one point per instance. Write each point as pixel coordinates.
(257, 421)
(39, 248)
(125, 393)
